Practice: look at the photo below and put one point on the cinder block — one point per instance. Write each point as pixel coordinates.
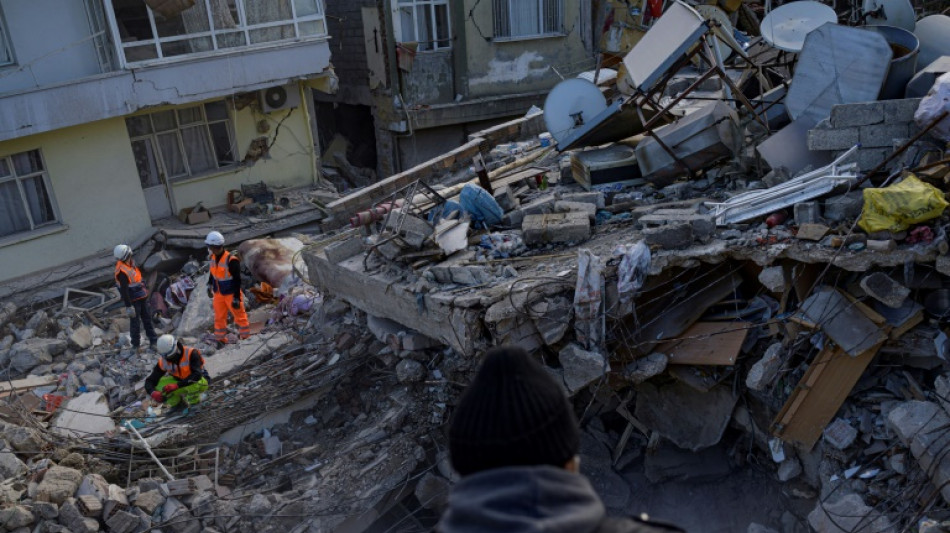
(900, 110)
(592, 197)
(703, 225)
(862, 114)
(573, 226)
(882, 135)
(845, 206)
(836, 139)
(670, 236)
(868, 158)
(806, 213)
(506, 199)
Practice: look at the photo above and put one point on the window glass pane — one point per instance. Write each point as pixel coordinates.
(141, 53)
(552, 16)
(424, 27)
(171, 27)
(171, 155)
(164, 121)
(442, 25)
(407, 25)
(260, 11)
(231, 39)
(313, 27)
(37, 198)
(138, 126)
(217, 110)
(189, 115)
(188, 46)
(145, 163)
(525, 17)
(4, 168)
(276, 33)
(12, 215)
(195, 139)
(132, 19)
(223, 148)
(306, 7)
(27, 163)
(6, 54)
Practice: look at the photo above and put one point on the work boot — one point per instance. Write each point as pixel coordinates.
(153, 346)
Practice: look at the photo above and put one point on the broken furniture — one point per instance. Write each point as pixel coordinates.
(678, 37)
(612, 164)
(406, 225)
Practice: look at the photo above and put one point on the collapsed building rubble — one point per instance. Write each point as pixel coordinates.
(752, 289)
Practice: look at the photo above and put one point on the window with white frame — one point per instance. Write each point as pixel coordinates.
(6, 49)
(422, 21)
(518, 19)
(26, 200)
(181, 143)
(146, 34)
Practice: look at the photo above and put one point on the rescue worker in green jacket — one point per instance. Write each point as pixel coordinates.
(179, 376)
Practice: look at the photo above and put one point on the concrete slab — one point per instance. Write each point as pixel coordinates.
(233, 356)
(84, 416)
(848, 327)
(690, 419)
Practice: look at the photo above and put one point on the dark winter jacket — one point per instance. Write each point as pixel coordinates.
(532, 499)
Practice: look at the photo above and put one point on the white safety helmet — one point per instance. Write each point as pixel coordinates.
(165, 345)
(214, 239)
(122, 252)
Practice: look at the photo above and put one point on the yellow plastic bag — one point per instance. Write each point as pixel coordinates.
(896, 207)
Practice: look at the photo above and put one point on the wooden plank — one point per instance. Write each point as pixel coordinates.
(819, 395)
(26, 383)
(707, 343)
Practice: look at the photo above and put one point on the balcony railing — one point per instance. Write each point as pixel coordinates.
(146, 36)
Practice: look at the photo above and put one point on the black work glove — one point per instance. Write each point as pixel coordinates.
(236, 303)
(210, 292)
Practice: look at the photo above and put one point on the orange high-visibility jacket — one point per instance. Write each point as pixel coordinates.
(223, 282)
(182, 370)
(136, 286)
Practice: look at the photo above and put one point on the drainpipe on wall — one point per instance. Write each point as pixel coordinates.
(306, 98)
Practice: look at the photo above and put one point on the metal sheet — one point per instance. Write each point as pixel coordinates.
(572, 105)
(849, 328)
(671, 36)
(788, 148)
(838, 65)
(617, 122)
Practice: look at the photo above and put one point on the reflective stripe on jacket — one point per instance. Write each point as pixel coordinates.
(136, 286)
(223, 282)
(183, 369)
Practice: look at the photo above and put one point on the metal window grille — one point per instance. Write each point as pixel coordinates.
(527, 18)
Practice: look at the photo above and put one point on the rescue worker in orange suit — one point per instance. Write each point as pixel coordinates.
(178, 375)
(224, 288)
(134, 294)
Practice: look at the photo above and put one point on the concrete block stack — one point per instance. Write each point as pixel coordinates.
(873, 125)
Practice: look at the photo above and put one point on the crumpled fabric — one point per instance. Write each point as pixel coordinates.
(589, 319)
(936, 102)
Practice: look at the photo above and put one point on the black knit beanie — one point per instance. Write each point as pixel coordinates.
(513, 413)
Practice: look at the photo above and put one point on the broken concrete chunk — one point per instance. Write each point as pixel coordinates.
(840, 434)
(563, 206)
(884, 289)
(847, 514)
(843, 207)
(921, 427)
(506, 199)
(691, 419)
(342, 250)
(81, 338)
(15, 517)
(848, 327)
(30, 353)
(410, 371)
(149, 501)
(790, 469)
(10, 464)
(812, 232)
(646, 367)
(763, 372)
(196, 318)
(556, 228)
(671, 236)
(581, 367)
(773, 278)
(58, 484)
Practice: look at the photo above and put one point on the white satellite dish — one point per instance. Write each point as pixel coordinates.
(786, 27)
(724, 36)
(570, 105)
(898, 13)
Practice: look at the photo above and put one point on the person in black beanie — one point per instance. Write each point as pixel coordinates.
(514, 440)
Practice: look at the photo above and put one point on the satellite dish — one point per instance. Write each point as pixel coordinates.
(723, 31)
(787, 26)
(570, 105)
(890, 13)
(275, 97)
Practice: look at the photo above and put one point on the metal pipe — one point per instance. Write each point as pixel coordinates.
(149, 450)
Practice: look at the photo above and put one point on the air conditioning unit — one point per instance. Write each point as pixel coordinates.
(280, 97)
